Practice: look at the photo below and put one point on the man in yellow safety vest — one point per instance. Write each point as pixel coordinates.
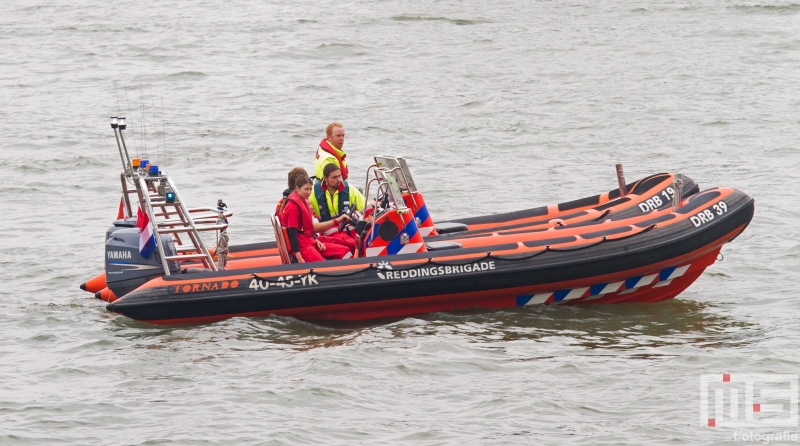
(330, 197)
(331, 151)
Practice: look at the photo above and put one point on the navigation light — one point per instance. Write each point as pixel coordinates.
(114, 122)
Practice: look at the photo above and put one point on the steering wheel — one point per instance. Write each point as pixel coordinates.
(344, 224)
(352, 221)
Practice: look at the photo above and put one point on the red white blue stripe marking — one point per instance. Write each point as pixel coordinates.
(662, 278)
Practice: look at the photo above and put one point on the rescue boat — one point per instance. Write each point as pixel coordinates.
(645, 241)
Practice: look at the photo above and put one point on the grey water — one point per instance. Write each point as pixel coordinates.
(497, 106)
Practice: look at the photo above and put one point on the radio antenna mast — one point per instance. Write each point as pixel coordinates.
(163, 133)
(135, 144)
(141, 113)
(155, 126)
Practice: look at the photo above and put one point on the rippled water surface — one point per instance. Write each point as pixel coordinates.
(497, 106)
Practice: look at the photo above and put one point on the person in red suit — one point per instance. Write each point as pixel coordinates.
(296, 216)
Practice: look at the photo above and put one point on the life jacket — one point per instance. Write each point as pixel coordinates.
(305, 214)
(282, 203)
(320, 193)
(325, 146)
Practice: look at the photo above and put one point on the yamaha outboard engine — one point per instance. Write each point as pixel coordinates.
(126, 270)
(129, 222)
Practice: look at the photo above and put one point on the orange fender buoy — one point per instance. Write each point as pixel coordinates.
(106, 295)
(95, 284)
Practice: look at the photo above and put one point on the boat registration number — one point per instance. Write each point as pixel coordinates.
(707, 214)
(284, 282)
(656, 201)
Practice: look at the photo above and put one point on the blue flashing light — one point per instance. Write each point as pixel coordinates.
(153, 169)
(143, 164)
(170, 197)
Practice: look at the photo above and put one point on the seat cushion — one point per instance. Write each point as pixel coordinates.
(447, 228)
(439, 246)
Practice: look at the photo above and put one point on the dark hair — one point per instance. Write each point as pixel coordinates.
(301, 181)
(294, 174)
(329, 169)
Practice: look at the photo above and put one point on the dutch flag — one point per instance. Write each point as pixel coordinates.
(147, 242)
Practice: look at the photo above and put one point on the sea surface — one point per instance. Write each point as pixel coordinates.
(497, 106)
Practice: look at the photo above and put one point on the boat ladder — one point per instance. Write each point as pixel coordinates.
(168, 215)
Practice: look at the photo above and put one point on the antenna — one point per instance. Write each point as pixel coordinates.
(155, 127)
(135, 144)
(141, 112)
(163, 135)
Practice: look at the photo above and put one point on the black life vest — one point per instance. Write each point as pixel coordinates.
(322, 200)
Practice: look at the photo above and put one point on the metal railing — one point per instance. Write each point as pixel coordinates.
(174, 217)
(280, 240)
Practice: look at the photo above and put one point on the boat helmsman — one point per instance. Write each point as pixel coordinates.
(330, 198)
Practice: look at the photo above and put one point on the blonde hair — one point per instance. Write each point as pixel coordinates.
(329, 128)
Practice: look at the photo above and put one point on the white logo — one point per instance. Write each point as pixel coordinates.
(118, 255)
(432, 270)
(383, 265)
(769, 400)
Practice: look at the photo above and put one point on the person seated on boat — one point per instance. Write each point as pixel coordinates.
(294, 173)
(330, 197)
(296, 216)
(329, 233)
(331, 151)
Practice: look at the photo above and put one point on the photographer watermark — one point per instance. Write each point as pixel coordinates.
(749, 400)
(766, 438)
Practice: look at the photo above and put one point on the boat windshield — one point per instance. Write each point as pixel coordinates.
(402, 176)
(394, 188)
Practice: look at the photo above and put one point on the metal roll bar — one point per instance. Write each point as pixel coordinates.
(149, 197)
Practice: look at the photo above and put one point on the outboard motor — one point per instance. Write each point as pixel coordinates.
(129, 222)
(126, 270)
